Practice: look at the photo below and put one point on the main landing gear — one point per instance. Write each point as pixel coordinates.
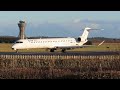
(52, 50)
(63, 50)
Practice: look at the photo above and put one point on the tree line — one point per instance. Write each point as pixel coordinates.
(12, 39)
(107, 40)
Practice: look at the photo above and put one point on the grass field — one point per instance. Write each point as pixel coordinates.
(90, 68)
(97, 68)
(6, 47)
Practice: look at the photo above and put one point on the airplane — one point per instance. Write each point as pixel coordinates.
(54, 43)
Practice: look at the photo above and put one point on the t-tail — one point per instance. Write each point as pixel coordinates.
(86, 33)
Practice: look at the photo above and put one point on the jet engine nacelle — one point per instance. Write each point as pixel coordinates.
(79, 39)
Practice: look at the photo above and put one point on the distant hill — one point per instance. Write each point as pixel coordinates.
(107, 40)
(12, 39)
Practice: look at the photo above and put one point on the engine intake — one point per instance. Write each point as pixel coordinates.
(79, 39)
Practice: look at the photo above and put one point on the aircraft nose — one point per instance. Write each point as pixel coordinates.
(13, 48)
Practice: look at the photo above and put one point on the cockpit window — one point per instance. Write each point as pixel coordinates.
(19, 42)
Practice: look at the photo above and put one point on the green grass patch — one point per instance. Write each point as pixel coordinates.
(6, 47)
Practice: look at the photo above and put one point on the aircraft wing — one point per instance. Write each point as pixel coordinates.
(66, 47)
(71, 47)
(94, 45)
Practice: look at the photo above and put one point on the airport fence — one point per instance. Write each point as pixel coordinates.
(53, 66)
(62, 57)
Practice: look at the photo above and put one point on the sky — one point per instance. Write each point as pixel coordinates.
(68, 19)
(57, 16)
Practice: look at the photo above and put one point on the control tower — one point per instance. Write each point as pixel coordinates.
(21, 26)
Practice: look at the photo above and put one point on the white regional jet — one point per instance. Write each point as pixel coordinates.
(54, 43)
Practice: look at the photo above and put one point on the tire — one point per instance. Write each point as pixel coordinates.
(51, 50)
(63, 50)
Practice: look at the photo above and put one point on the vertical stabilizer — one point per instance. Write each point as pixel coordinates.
(85, 34)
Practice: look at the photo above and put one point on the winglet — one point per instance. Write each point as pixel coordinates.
(101, 43)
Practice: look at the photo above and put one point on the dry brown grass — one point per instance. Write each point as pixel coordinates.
(52, 69)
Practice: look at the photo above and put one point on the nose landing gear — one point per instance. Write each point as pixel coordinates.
(16, 51)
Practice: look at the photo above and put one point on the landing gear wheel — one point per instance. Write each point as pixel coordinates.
(51, 50)
(63, 50)
(16, 51)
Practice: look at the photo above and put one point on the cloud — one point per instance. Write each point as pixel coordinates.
(76, 20)
(93, 25)
(111, 29)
